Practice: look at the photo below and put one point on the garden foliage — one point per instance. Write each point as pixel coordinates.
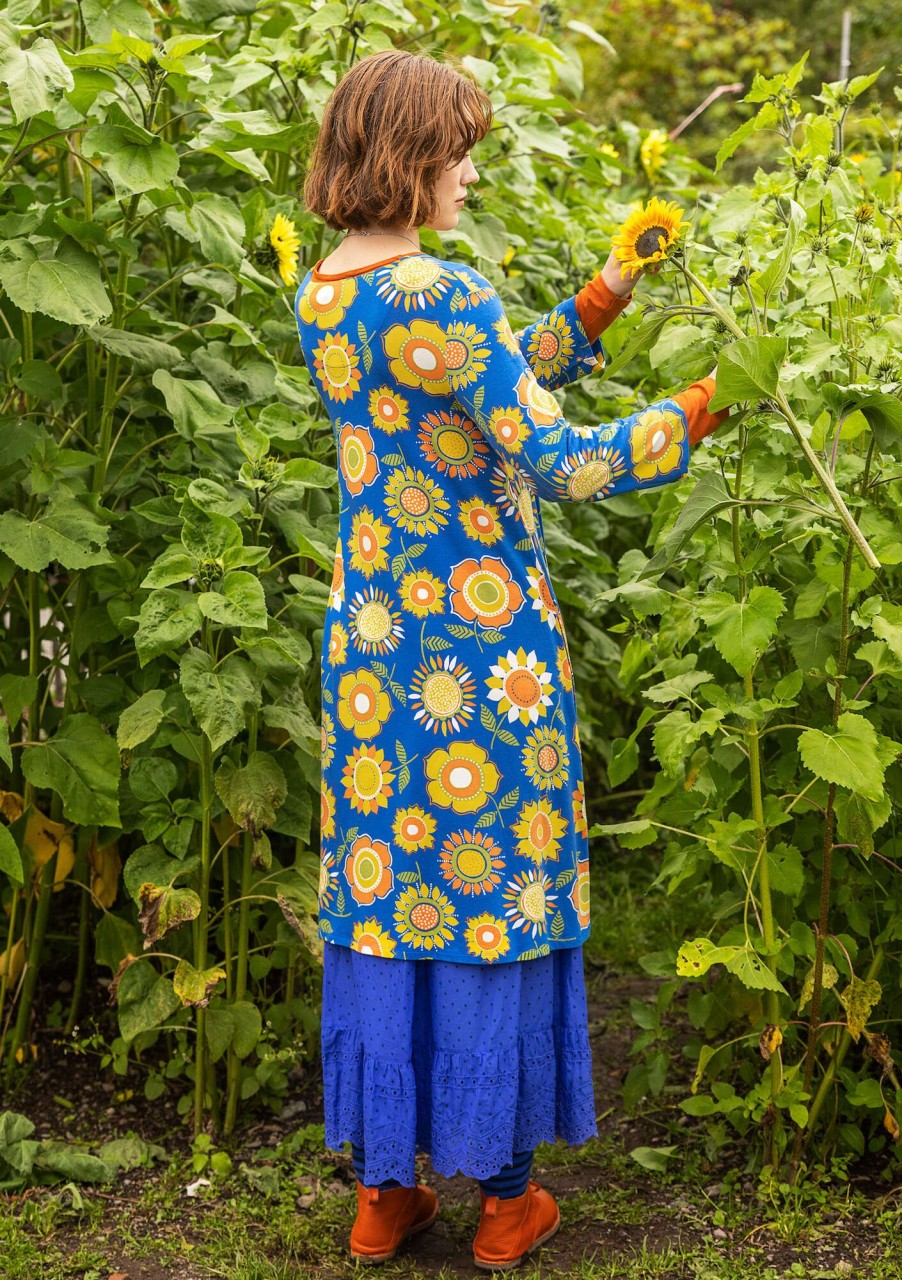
(168, 527)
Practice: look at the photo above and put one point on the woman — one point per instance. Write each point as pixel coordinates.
(454, 887)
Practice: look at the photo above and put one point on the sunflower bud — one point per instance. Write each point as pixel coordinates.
(864, 212)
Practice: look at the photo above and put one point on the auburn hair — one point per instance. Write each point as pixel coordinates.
(391, 126)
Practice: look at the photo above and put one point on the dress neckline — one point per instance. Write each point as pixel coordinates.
(344, 275)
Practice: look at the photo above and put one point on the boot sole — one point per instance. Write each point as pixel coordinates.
(509, 1263)
(384, 1257)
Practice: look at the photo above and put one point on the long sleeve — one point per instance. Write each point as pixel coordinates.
(524, 422)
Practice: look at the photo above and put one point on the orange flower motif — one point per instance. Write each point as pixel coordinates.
(368, 870)
(338, 645)
(422, 593)
(453, 444)
(461, 777)
(655, 441)
(486, 936)
(368, 543)
(483, 592)
(324, 302)
(326, 812)
(480, 521)
(336, 365)
(413, 829)
(359, 464)
(579, 893)
(471, 861)
(509, 428)
(388, 410)
(371, 939)
(363, 705)
(416, 356)
(539, 404)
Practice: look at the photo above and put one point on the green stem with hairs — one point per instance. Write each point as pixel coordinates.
(241, 959)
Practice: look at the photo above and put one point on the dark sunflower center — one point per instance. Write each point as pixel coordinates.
(649, 241)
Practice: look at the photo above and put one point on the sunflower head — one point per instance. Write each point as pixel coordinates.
(285, 243)
(648, 235)
(652, 152)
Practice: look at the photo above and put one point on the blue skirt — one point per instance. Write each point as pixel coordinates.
(467, 1062)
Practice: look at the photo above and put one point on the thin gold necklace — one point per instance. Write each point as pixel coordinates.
(397, 234)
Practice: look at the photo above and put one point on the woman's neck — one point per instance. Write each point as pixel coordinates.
(371, 244)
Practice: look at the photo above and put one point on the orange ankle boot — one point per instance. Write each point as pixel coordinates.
(510, 1229)
(385, 1218)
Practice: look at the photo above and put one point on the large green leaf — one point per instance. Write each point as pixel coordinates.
(742, 629)
(68, 287)
(64, 531)
(163, 908)
(193, 405)
(135, 159)
(145, 1000)
(846, 754)
(239, 602)
(10, 857)
(36, 77)
(103, 17)
(166, 621)
(140, 720)
(208, 535)
(220, 697)
(708, 497)
(747, 370)
(141, 350)
(252, 794)
(81, 764)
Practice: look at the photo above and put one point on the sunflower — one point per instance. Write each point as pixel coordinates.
(648, 234)
(652, 152)
(285, 242)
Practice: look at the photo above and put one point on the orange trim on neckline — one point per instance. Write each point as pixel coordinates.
(343, 275)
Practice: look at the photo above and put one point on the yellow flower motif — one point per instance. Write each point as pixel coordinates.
(414, 829)
(328, 879)
(546, 757)
(375, 626)
(338, 645)
(461, 777)
(443, 695)
(590, 472)
(521, 686)
(540, 404)
(336, 365)
(418, 282)
(422, 593)
(388, 410)
(286, 242)
(655, 441)
(324, 302)
(326, 812)
(580, 824)
(579, 893)
(453, 444)
(424, 917)
(506, 337)
(475, 291)
(550, 346)
(415, 502)
(543, 601)
(337, 586)
(528, 901)
(539, 829)
(464, 354)
(368, 777)
(648, 235)
(652, 151)
(565, 669)
(480, 521)
(471, 861)
(486, 937)
(368, 543)
(509, 428)
(608, 149)
(370, 939)
(368, 870)
(363, 705)
(416, 356)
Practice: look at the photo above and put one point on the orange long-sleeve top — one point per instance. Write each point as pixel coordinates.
(599, 307)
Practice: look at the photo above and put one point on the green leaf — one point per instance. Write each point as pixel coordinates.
(114, 939)
(67, 287)
(239, 602)
(248, 1027)
(10, 857)
(219, 697)
(36, 77)
(163, 908)
(696, 957)
(252, 794)
(171, 566)
(882, 411)
(772, 279)
(655, 1159)
(194, 987)
(220, 227)
(747, 370)
(766, 118)
(859, 998)
(192, 404)
(135, 159)
(846, 754)
(742, 629)
(145, 1000)
(16, 692)
(888, 626)
(150, 864)
(103, 17)
(708, 497)
(645, 336)
(81, 764)
(141, 350)
(140, 721)
(677, 733)
(753, 973)
(166, 621)
(829, 979)
(64, 531)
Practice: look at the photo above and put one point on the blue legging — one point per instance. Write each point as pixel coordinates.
(508, 1182)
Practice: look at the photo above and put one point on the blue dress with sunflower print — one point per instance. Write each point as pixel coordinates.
(453, 812)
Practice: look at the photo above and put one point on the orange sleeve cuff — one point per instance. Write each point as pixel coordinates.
(694, 403)
(598, 307)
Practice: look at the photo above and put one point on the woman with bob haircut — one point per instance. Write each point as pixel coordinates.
(454, 876)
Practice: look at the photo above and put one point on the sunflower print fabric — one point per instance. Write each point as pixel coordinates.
(453, 811)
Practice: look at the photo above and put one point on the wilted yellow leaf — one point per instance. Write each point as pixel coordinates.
(770, 1041)
(105, 866)
(891, 1125)
(12, 961)
(11, 805)
(44, 837)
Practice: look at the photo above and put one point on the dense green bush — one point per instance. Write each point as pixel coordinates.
(168, 530)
